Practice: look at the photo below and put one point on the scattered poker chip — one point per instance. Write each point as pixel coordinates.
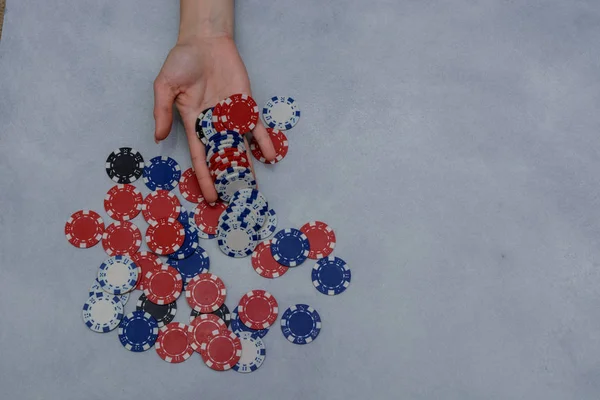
(165, 236)
(206, 293)
(258, 309)
(118, 275)
(196, 264)
(172, 344)
(221, 351)
(331, 275)
(300, 324)
(237, 326)
(263, 262)
(123, 202)
(138, 331)
(281, 113)
(163, 313)
(162, 173)
(202, 327)
(161, 204)
(146, 262)
(237, 239)
(290, 247)
(189, 187)
(96, 288)
(206, 216)
(163, 286)
(102, 312)
(201, 233)
(270, 225)
(280, 144)
(240, 113)
(124, 165)
(321, 238)
(253, 353)
(252, 195)
(121, 237)
(189, 246)
(222, 312)
(232, 180)
(84, 229)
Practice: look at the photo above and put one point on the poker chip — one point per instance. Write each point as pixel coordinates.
(237, 326)
(121, 237)
(280, 144)
(118, 275)
(162, 173)
(206, 293)
(300, 324)
(258, 309)
(163, 313)
(253, 353)
(84, 229)
(242, 213)
(161, 204)
(252, 195)
(207, 128)
(196, 264)
(236, 239)
(232, 180)
(165, 236)
(331, 275)
(189, 246)
(189, 187)
(201, 233)
(253, 205)
(102, 312)
(123, 202)
(172, 344)
(321, 238)
(222, 312)
(146, 262)
(202, 327)
(221, 351)
(217, 117)
(206, 216)
(163, 286)
(281, 113)
(239, 113)
(290, 247)
(199, 129)
(263, 262)
(138, 331)
(270, 225)
(96, 288)
(124, 165)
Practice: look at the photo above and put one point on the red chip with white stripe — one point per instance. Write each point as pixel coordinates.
(172, 344)
(202, 327)
(280, 144)
(147, 262)
(258, 309)
(263, 262)
(221, 350)
(320, 237)
(207, 216)
(123, 202)
(205, 293)
(239, 113)
(122, 238)
(165, 236)
(84, 229)
(189, 186)
(160, 204)
(163, 286)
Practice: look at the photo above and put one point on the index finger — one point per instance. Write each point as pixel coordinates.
(265, 143)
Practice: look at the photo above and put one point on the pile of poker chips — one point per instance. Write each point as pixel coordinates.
(242, 225)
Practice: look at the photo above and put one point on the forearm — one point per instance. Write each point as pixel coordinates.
(205, 18)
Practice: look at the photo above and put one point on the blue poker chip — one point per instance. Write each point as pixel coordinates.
(102, 312)
(300, 324)
(138, 331)
(118, 275)
(290, 247)
(237, 239)
(233, 179)
(281, 113)
(196, 264)
(270, 225)
(184, 217)
(162, 173)
(237, 326)
(189, 246)
(331, 275)
(253, 353)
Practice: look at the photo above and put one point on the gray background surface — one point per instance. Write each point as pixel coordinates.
(453, 146)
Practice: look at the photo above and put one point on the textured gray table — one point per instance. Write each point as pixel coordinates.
(452, 145)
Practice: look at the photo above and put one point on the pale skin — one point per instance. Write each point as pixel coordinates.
(203, 68)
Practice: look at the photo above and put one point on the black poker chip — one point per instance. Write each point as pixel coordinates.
(199, 131)
(125, 165)
(163, 314)
(222, 312)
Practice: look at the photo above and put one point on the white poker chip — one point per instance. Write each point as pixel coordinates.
(253, 353)
(237, 239)
(227, 183)
(118, 275)
(281, 113)
(102, 312)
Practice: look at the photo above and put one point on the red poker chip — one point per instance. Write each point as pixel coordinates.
(217, 117)
(240, 113)
(221, 350)
(225, 154)
(258, 309)
(165, 236)
(84, 229)
(122, 238)
(202, 327)
(189, 187)
(172, 344)
(263, 262)
(161, 204)
(147, 262)
(280, 143)
(207, 216)
(217, 168)
(123, 202)
(205, 293)
(163, 286)
(320, 237)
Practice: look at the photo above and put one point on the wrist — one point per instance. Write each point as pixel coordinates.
(201, 19)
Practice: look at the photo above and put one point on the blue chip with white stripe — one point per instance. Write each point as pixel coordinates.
(162, 173)
(253, 353)
(331, 275)
(138, 331)
(118, 275)
(290, 247)
(300, 324)
(196, 264)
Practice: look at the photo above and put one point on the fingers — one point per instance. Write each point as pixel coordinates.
(164, 96)
(263, 138)
(198, 155)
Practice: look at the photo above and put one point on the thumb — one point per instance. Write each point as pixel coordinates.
(164, 96)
